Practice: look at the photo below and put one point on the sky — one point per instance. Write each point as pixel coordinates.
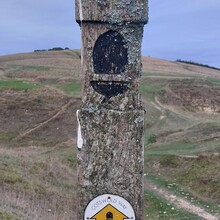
(177, 29)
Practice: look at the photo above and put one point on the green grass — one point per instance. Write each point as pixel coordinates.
(72, 53)
(8, 166)
(31, 67)
(73, 89)
(17, 84)
(173, 148)
(66, 156)
(167, 75)
(8, 216)
(158, 208)
(9, 161)
(7, 136)
(171, 134)
(152, 116)
(203, 177)
(215, 81)
(173, 187)
(40, 179)
(46, 174)
(149, 89)
(170, 160)
(11, 178)
(150, 138)
(37, 68)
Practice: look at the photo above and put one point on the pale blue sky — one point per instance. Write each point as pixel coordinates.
(177, 29)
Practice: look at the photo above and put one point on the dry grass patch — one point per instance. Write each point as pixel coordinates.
(38, 183)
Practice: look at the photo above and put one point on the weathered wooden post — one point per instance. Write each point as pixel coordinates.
(110, 134)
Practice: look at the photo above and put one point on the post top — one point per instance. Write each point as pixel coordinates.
(112, 11)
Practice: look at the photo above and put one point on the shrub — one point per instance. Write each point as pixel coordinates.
(170, 161)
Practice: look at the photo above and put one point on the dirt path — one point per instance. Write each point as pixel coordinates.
(180, 202)
(61, 111)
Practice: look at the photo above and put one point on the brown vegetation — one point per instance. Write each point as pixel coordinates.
(38, 131)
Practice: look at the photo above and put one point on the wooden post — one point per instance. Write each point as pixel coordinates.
(111, 119)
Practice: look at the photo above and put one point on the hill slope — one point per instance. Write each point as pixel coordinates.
(39, 94)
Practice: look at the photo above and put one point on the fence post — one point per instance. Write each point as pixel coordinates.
(111, 119)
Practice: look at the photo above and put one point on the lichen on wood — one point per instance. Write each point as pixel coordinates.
(114, 12)
(111, 158)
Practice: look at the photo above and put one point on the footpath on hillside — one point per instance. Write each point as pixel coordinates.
(180, 202)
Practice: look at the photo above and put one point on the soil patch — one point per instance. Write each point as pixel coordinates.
(43, 115)
(192, 95)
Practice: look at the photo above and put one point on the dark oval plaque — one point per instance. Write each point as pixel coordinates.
(110, 88)
(110, 54)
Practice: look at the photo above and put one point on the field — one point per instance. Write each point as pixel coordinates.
(40, 93)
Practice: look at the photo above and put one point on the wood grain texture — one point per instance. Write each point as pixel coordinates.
(111, 159)
(114, 11)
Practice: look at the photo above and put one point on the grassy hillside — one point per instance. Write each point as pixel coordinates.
(39, 95)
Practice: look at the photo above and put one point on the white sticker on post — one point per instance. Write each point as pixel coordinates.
(79, 133)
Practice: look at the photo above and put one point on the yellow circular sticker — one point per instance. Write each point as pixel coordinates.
(109, 207)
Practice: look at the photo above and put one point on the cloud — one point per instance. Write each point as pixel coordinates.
(180, 29)
(176, 29)
(37, 24)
